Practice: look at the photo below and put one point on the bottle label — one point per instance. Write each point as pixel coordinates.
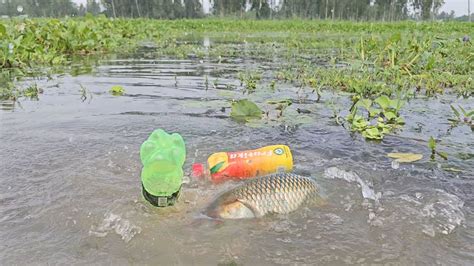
(250, 163)
(250, 154)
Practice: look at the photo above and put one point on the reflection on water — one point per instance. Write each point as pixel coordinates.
(70, 170)
(7, 105)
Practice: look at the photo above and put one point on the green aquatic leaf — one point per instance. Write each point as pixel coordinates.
(400, 121)
(442, 154)
(458, 115)
(359, 123)
(385, 130)
(390, 115)
(383, 101)
(244, 110)
(462, 110)
(405, 157)
(117, 90)
(470, 114)
(432, 143)
(373, 111)
(397, 104)
(366, 103)
(452, 169)
(372, 133)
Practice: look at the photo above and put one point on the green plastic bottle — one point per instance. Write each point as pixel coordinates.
(162, 156)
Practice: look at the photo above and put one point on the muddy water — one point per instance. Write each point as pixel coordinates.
(70, 189)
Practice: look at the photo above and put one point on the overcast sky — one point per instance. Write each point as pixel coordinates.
(459, 6)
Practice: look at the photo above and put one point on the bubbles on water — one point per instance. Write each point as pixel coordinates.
(429, 230)
(285, 240)
(282, 226)
(437, 212)
(445, 212)
(395, 164)
(334, 219)
(112, 222)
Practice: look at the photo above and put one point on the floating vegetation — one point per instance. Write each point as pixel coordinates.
(117, 90)
(462, 117)
(32, 92)
(280, 105)
(432, 145)
(381, 116)
(245, 110)
(374, 63)
(249, 81)
(405, 157)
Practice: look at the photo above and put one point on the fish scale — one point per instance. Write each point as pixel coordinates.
(278, 193)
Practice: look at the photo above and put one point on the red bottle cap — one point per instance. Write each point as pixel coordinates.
(197, 170)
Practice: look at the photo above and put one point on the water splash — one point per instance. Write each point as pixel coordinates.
(366, 186)
(438, 212)
(113, 222)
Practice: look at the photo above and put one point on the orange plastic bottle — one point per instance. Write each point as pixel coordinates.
(237, 165)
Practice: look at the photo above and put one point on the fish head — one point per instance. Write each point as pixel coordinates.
(230, 210)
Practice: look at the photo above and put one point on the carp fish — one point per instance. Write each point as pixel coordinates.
(278, 193)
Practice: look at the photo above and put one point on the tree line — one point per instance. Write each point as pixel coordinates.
(387, 10)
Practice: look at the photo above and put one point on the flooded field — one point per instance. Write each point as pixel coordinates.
(70, 191)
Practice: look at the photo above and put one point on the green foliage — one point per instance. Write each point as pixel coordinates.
(280, 105)
(382, 116)
(117, 90)
(432, 145)
(405, 157)
(249, 81)
(374, 61)
(462, 117)
(245, 110)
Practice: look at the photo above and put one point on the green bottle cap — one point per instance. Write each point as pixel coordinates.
(162, 156)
